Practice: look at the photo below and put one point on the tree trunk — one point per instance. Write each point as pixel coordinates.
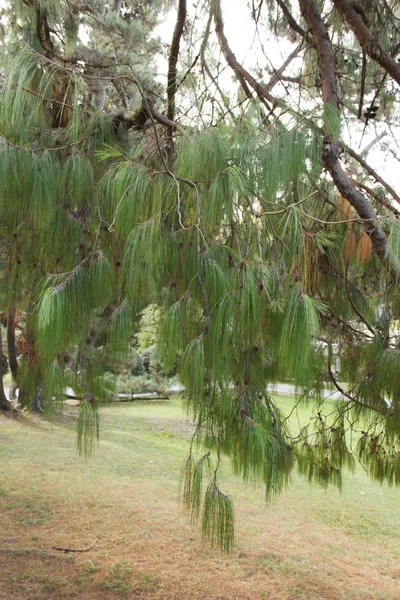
(31, 392)
(62, 80)
(12, 351)
(4, 403)
(29, 378)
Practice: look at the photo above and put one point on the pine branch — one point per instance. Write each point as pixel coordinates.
(365, 151)
(283, 210)
(138, 119)
(362, 87)
(278, 73)
(372, 172)
(344, 393)
(331, 150)
(293, 23)
(172, 70)
(353, 306)
(243, 76)
(188, 71)
(382, 201)
(368, 42)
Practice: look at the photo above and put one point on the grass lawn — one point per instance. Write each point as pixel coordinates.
(307, 544)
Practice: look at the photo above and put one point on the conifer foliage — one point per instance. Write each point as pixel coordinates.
(270, 245)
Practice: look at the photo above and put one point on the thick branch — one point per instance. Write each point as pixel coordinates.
(172, 73)
(367, 41)
(244, 76)
(173, 59)
(293, 23)
(330, 157)
(43, 32)
(162, 119)
(313, 18)
(138, 119)
(331, 150)
(371, 144)
(62, 90)
(362, 87)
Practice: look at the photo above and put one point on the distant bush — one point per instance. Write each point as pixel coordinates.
(131, 364)
(130, 384)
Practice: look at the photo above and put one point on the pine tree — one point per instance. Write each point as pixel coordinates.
(267, 255)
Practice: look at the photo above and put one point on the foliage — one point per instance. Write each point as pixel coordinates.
(218, 236)
(147, 333)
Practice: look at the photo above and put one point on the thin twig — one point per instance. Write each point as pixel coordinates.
(354, 307)
(66, 550)
(286, 209)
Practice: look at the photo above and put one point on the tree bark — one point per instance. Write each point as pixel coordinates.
(31, 384)
(172, 74)
(12, 351)
(61, 111)
(4, 403)
(138, 119)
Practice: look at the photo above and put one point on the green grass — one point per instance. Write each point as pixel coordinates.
(306, 543)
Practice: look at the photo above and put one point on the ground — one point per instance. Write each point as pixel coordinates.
(307, 544)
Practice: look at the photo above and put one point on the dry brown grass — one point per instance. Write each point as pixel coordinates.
(301, 547)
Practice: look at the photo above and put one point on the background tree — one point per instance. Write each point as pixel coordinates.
(268, 243)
